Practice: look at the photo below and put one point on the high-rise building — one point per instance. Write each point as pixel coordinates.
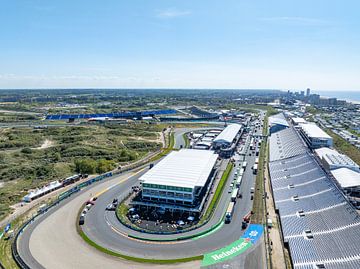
(308, 92)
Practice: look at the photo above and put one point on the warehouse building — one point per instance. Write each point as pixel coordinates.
(332, 159)
(179, 181)
(227, 136)
(314, 136)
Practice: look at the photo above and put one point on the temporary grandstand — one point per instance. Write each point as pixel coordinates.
(285, 144)
(132, 114)
(320, 227)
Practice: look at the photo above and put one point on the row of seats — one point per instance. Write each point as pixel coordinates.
(334, 223)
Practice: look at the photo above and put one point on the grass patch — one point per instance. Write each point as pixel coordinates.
(258, 205)
(6, 258)
(345, 147)
(187, 141)
(136, 259)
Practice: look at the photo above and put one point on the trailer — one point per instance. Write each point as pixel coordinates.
(234, 194)
(244, 164)
(238, 181)
(229, 212)
(255, 168)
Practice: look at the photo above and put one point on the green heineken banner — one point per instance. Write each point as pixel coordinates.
(227, 252)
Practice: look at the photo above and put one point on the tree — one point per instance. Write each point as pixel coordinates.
(85, 166)
(104, 166)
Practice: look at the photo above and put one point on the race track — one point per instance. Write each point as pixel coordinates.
(53, 242)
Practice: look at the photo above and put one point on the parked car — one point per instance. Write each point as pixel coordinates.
(81, 220)
(110, 207)
(90, 202)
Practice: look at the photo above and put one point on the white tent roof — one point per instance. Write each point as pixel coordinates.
(185, 168)
(51, 186)
(228, 134)
(346, 177)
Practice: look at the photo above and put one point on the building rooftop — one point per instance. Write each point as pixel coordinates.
(333, 157)
(284, 144)
(297, 120)
(228, 134)
(346, 177)
(185, 168)
(312, 130)
(278, 121)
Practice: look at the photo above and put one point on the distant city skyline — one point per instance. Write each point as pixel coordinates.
(180, 44)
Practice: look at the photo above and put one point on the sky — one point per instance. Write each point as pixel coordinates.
(252, 44)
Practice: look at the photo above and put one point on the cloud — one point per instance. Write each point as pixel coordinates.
(296, 20)
(172, 13)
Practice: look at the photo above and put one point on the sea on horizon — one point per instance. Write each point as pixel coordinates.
(351, 96)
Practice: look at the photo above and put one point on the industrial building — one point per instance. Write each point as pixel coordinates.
(314, 136)
(348, 180)
(179, 181)
(332, 159)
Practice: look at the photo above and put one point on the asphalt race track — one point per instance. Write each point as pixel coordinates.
(52, 240)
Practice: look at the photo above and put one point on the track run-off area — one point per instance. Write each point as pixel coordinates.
(53, 241)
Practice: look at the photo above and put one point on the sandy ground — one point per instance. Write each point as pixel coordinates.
(277, 251)
(46, 144)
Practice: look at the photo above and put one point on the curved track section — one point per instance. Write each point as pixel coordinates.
(52, 240)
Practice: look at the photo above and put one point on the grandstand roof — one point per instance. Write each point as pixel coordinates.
(228, 134)
(308, 200)
(312, 130)
(111, 115)
(346, 177)
(284, 144)
(185, 168)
